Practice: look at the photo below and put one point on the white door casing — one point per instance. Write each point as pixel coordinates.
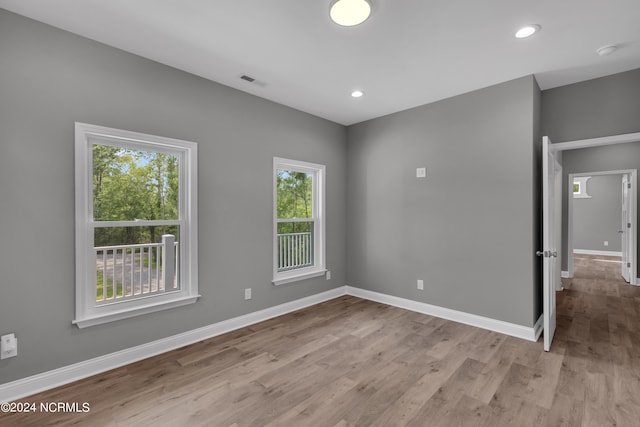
(549, 161)
(631, 248)
(624, 235)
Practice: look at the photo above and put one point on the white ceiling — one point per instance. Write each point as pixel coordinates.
(408, 53)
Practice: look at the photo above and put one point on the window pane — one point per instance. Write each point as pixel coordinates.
(294, 194)
(576, 187)
(295, 245)
(131, 184)
(130, 261)
(295, 227)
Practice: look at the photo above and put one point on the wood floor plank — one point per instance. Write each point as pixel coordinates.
(545, 378)
(515, 411)
(468, 412)
(599, 398)
(351, 362)
(302, 414)
(390, 381)
(493, 374)
(441, 405)
(626, 394)
(407, 406)
(565, 412)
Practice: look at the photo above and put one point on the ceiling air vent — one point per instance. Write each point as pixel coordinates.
(247, 78)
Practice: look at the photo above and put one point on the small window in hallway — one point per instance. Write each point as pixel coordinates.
(580, 187)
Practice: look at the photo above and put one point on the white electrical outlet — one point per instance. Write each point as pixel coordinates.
(247, 293)
(421, 284)
(8, 346)
(606, 243)
(328, 275)
(421, 172)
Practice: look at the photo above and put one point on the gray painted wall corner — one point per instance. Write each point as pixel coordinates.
(467, 228)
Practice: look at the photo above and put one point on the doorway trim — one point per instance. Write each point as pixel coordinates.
(603, 141)
(596, 142)
(633, 256)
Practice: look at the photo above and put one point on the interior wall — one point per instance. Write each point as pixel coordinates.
(467, 229)
(595, 159)
(594, 108)
(537, 198)
(597, 219)
(50, 79)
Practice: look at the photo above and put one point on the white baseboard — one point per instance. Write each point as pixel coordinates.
(519, 331)
(592, 252)
(57, 377)
(67, 374)
(565, 275)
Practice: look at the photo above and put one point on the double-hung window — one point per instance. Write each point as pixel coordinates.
(136, 224)
(299, 220)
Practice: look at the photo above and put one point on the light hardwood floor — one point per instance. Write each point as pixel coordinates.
(354, 362)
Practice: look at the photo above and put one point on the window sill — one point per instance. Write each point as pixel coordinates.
(99, 319)
(581, 196)
(297, 276)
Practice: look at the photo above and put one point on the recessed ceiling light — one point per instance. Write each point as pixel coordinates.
(357, 93)
(527, 31)
(350, 12)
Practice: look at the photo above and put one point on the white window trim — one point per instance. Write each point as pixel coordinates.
(87, 312)
(318, 203)
(582, 187)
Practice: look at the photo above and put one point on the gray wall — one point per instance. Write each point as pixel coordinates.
(594, 108)
(468, 229)
(537, 197)
(49, 79)
(598, 219)
(609, 158)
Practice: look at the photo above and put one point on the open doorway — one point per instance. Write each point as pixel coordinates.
(602, 221)
(551, 268)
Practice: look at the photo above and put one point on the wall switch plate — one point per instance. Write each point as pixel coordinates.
(421, 172)
(8, 346)
(606, 243)
(328, 275)
(421, 284)
(247, 293)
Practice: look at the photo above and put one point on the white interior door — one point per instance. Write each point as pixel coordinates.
(557, 273)
(549, 251)
(624, 229)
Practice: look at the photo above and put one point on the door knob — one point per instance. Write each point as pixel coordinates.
(547, 254)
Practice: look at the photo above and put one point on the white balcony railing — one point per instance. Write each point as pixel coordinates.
(127, 272)
(295, 250)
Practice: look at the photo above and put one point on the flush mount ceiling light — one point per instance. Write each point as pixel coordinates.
(606, 50)
(357, 93)
(527, 31)
(349, 12)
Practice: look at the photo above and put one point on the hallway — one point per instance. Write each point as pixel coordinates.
(598, 321)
